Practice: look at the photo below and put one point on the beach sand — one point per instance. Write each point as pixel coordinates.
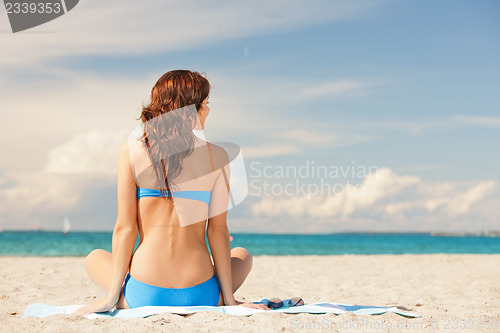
(447, 290)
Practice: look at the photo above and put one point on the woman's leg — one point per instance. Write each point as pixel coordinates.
(241, 264)
(99, 265)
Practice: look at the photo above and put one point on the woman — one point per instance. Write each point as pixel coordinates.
(169, 182)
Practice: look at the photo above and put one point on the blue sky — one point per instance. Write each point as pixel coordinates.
(410, 87)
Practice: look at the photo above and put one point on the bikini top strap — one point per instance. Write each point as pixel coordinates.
(211, 158)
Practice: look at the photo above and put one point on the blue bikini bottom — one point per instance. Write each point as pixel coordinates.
(139, 294)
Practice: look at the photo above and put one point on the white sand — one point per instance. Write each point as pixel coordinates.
(448, 291)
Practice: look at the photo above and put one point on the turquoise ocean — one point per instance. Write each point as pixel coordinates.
(48, 243)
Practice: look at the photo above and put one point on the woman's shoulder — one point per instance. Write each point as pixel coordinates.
(130, 152)
(134, 149)
(123, 147)
(219, 154)
(217, 151)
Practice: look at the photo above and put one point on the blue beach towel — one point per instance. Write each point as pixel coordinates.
(44, 310)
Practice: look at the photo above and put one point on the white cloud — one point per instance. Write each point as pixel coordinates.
(35, 193)
(91, 152)
(332, 89)
(269, 150)
(57, 109)
(84, 166)
(478, 120)
(375, 187)
(381, 196)
(460, 202)
(126, 26)
(410, 126)
(262, 122)
(450, 199)
(277, 142)
(352, 198)
(288, 141)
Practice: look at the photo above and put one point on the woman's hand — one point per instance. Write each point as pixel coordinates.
(258, 306)
(101, 305)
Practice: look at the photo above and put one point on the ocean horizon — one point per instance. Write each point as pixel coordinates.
(80, 243)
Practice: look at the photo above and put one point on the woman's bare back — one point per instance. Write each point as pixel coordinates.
(172, 252)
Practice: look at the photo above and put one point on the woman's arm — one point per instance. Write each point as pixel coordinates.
(217, 232)
(125, 231)
(218, 239)
(124, 234)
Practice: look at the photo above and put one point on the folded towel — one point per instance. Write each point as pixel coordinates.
(44, 310)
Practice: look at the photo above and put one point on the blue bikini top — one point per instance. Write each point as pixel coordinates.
(203, 196)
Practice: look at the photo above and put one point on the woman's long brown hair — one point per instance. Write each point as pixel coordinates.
(175, 90)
